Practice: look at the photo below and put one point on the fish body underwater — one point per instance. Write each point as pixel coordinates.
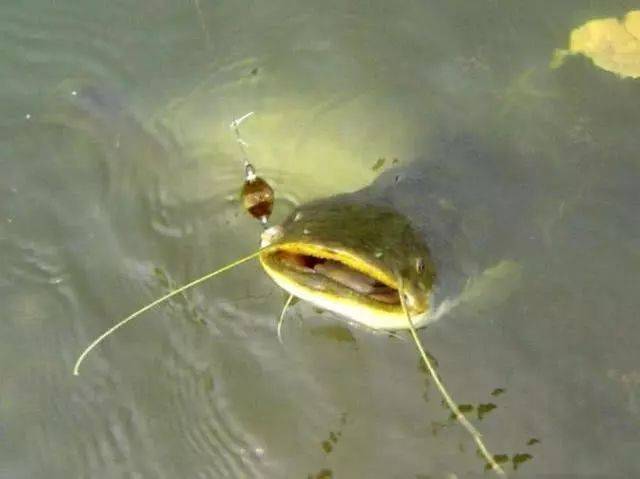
(436, 224)
(395, 255)
(419, 229)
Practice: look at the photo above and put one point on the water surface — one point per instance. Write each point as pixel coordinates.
(119, 178)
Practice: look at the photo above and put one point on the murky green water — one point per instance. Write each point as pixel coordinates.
(118, 178)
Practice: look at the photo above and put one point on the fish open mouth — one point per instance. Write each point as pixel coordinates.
(339, 280)
(334, 271)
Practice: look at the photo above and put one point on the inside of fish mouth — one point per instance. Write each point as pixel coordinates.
(339, 273)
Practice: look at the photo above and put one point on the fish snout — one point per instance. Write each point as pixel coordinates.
(271, 235)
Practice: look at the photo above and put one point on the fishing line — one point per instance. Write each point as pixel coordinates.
(235, 126)
(461, 418)
(257, 195)
(195, 282)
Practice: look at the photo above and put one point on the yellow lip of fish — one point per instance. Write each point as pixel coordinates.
(338, 298)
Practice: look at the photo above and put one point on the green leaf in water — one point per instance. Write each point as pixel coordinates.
(378, 164)
(499, 458)
(612, 44)
(484, 409)
(463, 408)
(518, 459)
(497, 392)
(323, 474)
(327, 447)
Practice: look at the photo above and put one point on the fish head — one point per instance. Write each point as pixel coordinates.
(353, 258)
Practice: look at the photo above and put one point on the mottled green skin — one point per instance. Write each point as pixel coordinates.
(375, 232)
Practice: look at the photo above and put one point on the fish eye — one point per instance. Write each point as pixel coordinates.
(420, 265)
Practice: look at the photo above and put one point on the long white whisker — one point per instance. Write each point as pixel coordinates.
(118, 325)
(461, 418)
(281, 320)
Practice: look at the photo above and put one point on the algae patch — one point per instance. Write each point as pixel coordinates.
(612, 44)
